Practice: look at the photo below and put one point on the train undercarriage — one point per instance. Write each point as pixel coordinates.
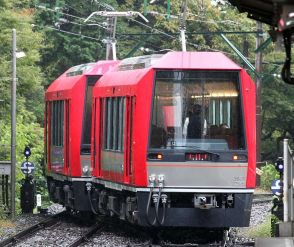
(155, 207)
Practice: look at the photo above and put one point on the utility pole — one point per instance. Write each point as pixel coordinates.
(111, 28)
(13, 123)
(182, 19)
(258, 67)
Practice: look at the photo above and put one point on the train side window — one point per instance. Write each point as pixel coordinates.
(47, 110)
(57, 135)
(114, 123)
(57, 121)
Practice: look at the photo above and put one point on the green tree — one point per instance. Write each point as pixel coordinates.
(204, 18)
(68, 40)
(29, 85)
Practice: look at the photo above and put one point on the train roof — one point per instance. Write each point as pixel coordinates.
(196, 60)
(181, 60)
(130, 71)
(72, 76)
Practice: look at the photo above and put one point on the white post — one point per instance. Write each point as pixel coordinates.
(285, 182)
(113, 43)
(182, 19)
(291, 176)
(183, 39)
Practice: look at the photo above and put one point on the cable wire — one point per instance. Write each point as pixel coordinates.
(67, 32)
(70, 15)
(148, 208)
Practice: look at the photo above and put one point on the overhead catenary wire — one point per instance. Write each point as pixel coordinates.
(211, 21)
(154, 31)
(172, 36)
(67, 32)
(70, 15)
(199, 33)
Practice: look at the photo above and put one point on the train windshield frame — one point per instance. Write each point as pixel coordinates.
(197, 109)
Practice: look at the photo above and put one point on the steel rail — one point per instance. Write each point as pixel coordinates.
(22, 235)
(262, 198)
(85, 237)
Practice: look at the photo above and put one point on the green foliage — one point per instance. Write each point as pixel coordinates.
(262, 230)
(76, 43)
(30, 93)
(60, 39)
(268, 176)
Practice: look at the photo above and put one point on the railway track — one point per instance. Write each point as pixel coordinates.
(260, 198)
(24, 234)
(94, 233)
(87, 235)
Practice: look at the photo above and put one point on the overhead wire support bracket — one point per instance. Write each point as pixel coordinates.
(117, 14)
(145, 7)
(111, 27)
(264, 45)
(244, 59)
(168, 10)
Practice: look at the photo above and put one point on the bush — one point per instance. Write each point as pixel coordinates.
(268, 176)
(262, 230)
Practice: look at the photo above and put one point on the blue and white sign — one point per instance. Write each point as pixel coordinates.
(27, 167)
(277, 187)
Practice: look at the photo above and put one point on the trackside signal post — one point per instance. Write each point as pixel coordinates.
(277, 189)
(27, 191)
(284, 203)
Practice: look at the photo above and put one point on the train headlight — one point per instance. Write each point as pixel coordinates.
(155, 156)
(239, 157)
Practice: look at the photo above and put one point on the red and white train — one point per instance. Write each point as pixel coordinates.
(162, 140)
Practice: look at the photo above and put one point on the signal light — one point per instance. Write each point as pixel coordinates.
(27, 152)
(279, 165)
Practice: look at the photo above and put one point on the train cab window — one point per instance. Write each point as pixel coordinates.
(86, 137)
(197, 109)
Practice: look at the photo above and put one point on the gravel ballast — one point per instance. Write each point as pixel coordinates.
(66, 232)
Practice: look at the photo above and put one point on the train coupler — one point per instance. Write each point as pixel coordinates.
(205, 201)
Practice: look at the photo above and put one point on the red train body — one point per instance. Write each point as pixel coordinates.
(172, 141)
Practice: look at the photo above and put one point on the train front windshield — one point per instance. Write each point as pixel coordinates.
(197, 109)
